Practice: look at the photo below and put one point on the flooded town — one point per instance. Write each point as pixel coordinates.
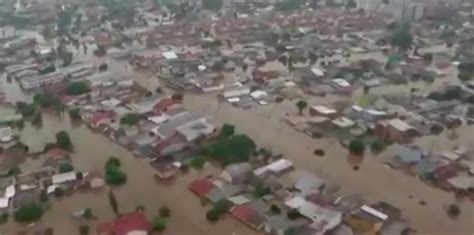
(216, 117)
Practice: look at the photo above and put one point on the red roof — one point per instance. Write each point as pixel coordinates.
(164, 104)
(201, 187)
(57, 153)
(97, 117)
(247, 215)
(135, 221)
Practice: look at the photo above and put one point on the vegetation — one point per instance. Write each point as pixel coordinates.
(100, 51)
(75, 114)
(274, 209)
(65, 167)
(63, 141)
(212, 215)
(198, 162)
(77, 88)
(234, 149)
(58, 192)
(159, 224)
(222, 206)
(88, 213)
(402, 38)
(227, 130)
(130, 119)
(14, 171)
(84, 229)
(165, 212)
(454, 211)
(113, 174)
(464, 76)
(4, 218)
(103, 67)
(66, 58)
(293, 214)
(29, 213)
(290, 5)
(357, 147)
(27, 110)
(113, 203)
(45, 100)
(261, 191)
(37, 119)
(213, 5)
(301, 105)
(377, 146)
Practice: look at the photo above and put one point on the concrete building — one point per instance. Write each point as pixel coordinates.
(369, 5)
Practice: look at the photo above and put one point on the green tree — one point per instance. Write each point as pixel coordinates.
(14, 171)
(237, 148)
(357, 147)
(275, 209)
(75, 114)
(197, 162)
(84, 229)
(222, 206)
(27, 110)
(402, 38)
(63, 141)
(464, 76)
(301, 105)
(213, 5)
(261, 191)
(227, 130)
(212, 216)
(88, 213)
(66, 58)
(113, 162)
(113, 203)
(293, 214)
(29, 213)
(130, 119)
(77, 88)
(100, 51)
(45, 100)
(377, 146)
(114, 176)
(159, 224)
(165, 212)
(37, 119)
(58, 192)
(65, 167)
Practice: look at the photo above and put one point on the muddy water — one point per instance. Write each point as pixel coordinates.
(373, 180)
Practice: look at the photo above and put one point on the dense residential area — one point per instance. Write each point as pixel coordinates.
(282, 117)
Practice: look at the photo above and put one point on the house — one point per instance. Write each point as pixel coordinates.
(341, 86)
(308, 184)
(42, 80)
(201, 187)
(281, 225)
(193, 130)
(395, 130)
(9, 115)
(64, 178)
(170, 145)
(320, 110)
(367, 220)
(406, 156)
(248, 215)
(323, 219)
(277, 167)
(134, 223)
(237, 173)
(56, 156)
(462, 182)
(6, 134)
(164, 104)
(97, 118)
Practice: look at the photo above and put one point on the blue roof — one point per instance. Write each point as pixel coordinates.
(408, 155)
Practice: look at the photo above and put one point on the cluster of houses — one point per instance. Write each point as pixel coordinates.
(307, 205)
(24, 188)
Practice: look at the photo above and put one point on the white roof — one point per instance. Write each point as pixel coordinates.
(290, 84)
(51, 189)
(169, 55)
(341, 82)
(233, 100)
(400, 125)
(239, 199)
(111, 102)
(10, 191)
(202, 67)
(343, 122)
(462, 182)
(65, 177)
(274, 167)
(295, 202)
(317, 72)
(158, 119)
(323, 109)
(450, 156)
(259, 94)
(4, 202)
(374, 212)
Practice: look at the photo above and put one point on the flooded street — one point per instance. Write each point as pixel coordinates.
(373, 181)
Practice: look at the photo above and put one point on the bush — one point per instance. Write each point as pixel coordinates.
(293, 214)
(77, 88)
(377, 146)
(29, 213)
(356, 147)
(165, 212)
(84, 229)
(113, 176)
(275, 210)
(103, 67)
(63, 141)
(159, 224)
(197, 162)
(130, 119)
(212, 216)
(227, 130)
(65, 167)
(4, 218)
(58, 192)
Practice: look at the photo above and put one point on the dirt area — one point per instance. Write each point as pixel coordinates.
(373, 180)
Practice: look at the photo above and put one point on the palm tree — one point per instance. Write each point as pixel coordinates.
(301, 105)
